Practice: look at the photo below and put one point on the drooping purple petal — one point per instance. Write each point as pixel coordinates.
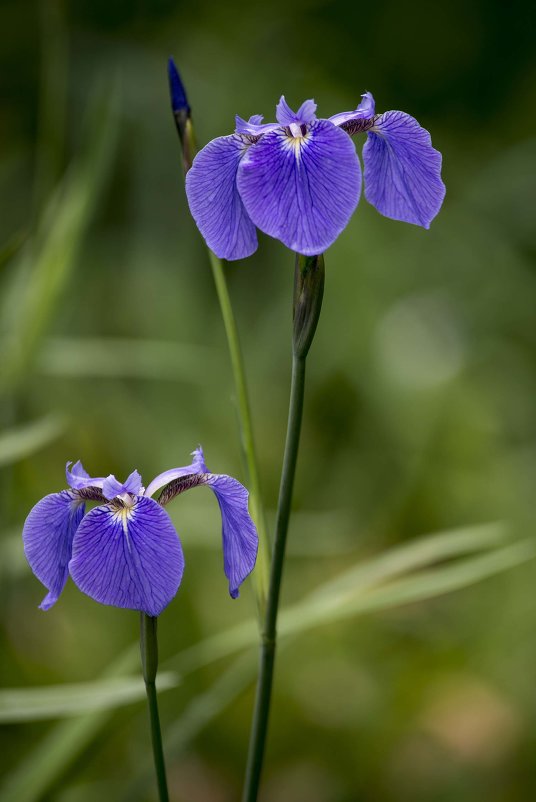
(196, 466)
(214, 201)
(305, 114)
(301, 190)
(365, 111)
(402, 170)
(48, 536)
(128, 556)
(240, 539)
(78, 477)
(111, 488)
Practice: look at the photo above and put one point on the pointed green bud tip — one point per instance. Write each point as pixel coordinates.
(308, 294)
(177, 92)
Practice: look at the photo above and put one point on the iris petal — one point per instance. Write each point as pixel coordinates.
(214, 201)
(301, 190)
(305, 114)
(128, 557)
(353, 121)
(402, 170)
(111, 487)
(48, 536)
(78, 477)
(254, 127)
(196, 466)
(240, 540)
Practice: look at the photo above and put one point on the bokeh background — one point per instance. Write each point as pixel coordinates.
(408, 667)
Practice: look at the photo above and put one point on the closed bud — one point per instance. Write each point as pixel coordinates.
(182, 115)
(308, 294)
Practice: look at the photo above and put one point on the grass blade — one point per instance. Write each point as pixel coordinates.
(376, 585)
(23, 441)
(34, 704)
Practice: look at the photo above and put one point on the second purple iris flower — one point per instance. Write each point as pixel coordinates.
(299, 179)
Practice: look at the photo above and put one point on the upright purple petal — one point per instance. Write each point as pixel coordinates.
(48, 536)
(302, 190)
(240, 539)
(305, 114)
(402, 170)
(128, 556)
(283, 113)
(196, 466)
(214, 201)
(111, 488)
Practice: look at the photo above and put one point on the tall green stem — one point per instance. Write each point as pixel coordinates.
(185, 130)
(149, 661)
(260, 575)
(308, 292)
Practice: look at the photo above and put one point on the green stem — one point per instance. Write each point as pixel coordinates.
(149, 661)
(260, 575)
(185, 130)
(308, 292)
(268, 643)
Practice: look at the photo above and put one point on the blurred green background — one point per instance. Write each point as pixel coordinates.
(420, 410)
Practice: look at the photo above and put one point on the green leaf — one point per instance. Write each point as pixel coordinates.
(33, 704)
(11, 247)
(358, 580)
(373, 585)
(423, 585)
(61, 745)
(45, 265)
(117, 358)
(23, 441)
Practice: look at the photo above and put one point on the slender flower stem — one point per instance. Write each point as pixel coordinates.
(308, 292)
(260, 575)
(268, 643)
(185, 130)
(149, 661)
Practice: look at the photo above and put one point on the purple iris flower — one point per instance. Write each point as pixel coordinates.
(299, 180)
(126, 552)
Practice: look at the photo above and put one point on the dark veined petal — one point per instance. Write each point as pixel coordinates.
(48, 536)
(128, 556)
(214, 201)
(355, 121)
(196, 466)
(77, 477)
(402, 170)
(254, 127)
(240, 539)
(302, 190)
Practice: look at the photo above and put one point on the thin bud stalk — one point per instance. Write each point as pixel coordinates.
(185, 129)
(149, 661)
(307, 303)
